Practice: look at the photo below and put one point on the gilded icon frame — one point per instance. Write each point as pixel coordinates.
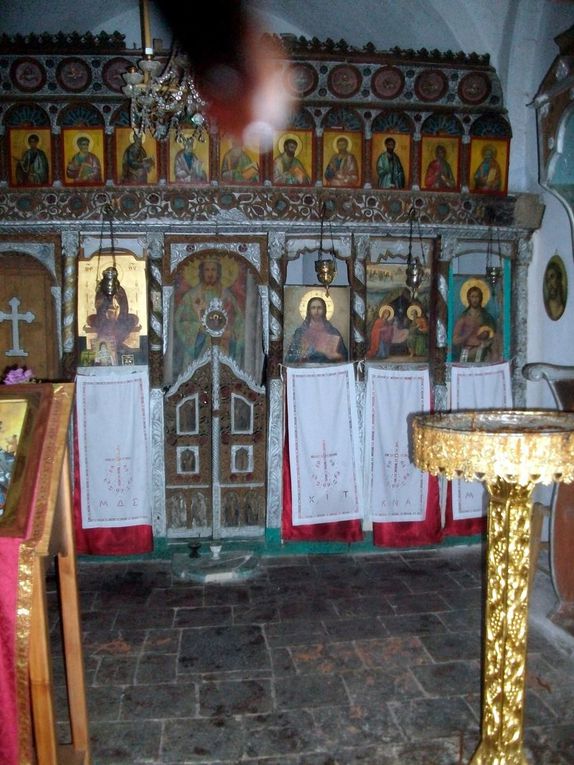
(25, 409)
(338, 313)
(403, 150)
(304, 154)
(432, 177)
(18, 143)
(197, 170)
(88, 173)
(489, 176)
(124, 137)
(354, 148)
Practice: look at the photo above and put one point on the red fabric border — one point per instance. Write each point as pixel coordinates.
(466, 527)
(413, 533)
(128, 540)
(339, 531)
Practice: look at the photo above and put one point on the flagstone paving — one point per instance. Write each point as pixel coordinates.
(317, 660)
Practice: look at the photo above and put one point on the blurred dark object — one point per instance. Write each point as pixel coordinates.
(231, 66)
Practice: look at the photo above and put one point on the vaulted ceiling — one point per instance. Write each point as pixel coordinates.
(444, 24)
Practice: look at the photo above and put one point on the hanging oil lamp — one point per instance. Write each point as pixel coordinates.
(326, 264)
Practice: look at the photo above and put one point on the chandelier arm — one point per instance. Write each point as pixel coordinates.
(146, 28)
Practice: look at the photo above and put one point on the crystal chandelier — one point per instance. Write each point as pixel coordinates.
(163, 100)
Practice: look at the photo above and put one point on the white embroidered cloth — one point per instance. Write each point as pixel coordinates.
(114, 449)
(477, 387)
(323, 444)
(396, 490)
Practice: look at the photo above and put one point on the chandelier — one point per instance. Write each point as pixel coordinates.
(163, 99)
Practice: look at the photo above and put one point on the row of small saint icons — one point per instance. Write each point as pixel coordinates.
(239, 166)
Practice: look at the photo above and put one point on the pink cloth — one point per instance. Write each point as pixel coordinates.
(9, 717)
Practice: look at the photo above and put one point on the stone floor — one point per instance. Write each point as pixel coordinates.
(316, 660)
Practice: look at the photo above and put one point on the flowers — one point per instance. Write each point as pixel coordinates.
(16, 375)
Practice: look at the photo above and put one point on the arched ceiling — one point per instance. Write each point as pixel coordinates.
(441, 24)
(385, 23)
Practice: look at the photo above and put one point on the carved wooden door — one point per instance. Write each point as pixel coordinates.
(28, 332)
(215, 412)
(215, 452)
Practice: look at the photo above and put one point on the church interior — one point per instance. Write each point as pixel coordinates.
(285, 434)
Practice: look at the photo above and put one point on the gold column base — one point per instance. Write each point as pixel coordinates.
(482, 757)
(506, 624)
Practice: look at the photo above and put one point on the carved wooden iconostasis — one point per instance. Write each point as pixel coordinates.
(213, 242)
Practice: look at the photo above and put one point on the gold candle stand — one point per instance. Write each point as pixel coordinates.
(510, 451)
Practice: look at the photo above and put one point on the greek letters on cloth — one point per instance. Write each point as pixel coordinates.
(477, 387)
(114, 449)
(323, 444)
(395, 489)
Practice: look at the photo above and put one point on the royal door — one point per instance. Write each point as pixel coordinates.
(215, 408)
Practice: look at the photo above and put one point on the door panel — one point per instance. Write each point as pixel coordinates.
(215, 453)
(28, 332)
(188, 456)
(242, 461)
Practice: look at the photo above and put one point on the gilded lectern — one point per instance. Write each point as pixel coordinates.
(510, 451)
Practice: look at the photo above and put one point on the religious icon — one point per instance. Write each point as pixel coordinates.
(83, 156)
(240, 162)
(24, 426)
(555, 287)
(476, 331)
(391, 160)
(209, 302)
(440, 163)
(188, 459)
(136, 157)
(316, 325)
(292, 158)
(341, 158)
(112, 310)
(488, 165)
(242, 416)
(188, 160)
(242, 458)
(398, 328)
(30, 157)
(187, 415)
(12, 414)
